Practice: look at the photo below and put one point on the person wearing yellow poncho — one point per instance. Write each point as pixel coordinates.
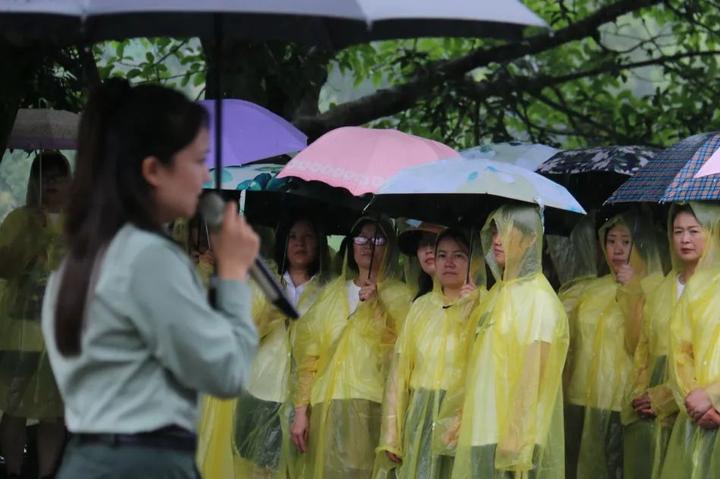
(343, 349)
(650, 409)
(31, 247)
(576, 260)
(430, 357)
(416, 241)
(511, 418)
(693, 451)
(248, 437)
(608, 320)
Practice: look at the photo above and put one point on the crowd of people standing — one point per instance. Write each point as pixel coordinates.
(422, 352)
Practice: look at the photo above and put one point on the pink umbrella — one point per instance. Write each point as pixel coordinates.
(361, 159)
(711, 166)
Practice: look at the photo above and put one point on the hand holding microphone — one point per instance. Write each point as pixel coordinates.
(237, 251)
(236, 246)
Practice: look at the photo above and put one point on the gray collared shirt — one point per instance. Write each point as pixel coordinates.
(150, 341)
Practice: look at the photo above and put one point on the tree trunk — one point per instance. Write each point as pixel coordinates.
(284, 78)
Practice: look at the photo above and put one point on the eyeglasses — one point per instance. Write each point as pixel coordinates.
(363, 240)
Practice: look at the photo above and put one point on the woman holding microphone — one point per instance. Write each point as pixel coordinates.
(129, 332)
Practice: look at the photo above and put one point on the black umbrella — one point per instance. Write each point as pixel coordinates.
(592, 174)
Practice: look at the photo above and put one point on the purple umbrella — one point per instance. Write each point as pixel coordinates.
(250, 133)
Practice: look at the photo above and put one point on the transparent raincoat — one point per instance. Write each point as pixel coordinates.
(694, 362)
(646, 439)
(510, 408)
(248, 437)
(429, 359)
(607, 323)
(343, 358)
(409, 233)
(576, 260)
(31, 247)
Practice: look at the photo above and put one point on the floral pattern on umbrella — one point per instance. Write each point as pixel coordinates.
(623, 160)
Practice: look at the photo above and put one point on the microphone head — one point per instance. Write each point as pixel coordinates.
(212, 209)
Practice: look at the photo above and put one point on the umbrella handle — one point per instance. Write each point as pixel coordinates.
(470, 257)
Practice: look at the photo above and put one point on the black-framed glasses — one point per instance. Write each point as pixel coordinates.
(375, 240)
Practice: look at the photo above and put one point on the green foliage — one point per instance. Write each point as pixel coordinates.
(172, 62)
(591, 91)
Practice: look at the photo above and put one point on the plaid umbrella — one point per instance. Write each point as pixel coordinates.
(669, 177)
(623, 160)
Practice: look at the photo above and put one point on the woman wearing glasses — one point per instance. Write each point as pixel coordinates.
(342, 348)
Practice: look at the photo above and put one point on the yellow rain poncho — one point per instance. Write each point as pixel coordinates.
(342, 366)
(607, 322)
(30, 248)
(576, 260)
(694, 362)
(646, 439)
(429, 359)
(248, 437)
(511, 415)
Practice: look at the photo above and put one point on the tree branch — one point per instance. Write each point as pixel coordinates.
(390, 101)
(482, 90)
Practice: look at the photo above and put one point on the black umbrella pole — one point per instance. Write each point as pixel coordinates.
(218, 100)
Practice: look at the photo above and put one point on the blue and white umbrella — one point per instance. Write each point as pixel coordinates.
(459, 188)
(526, 155)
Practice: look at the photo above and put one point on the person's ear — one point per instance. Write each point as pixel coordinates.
(152, 170)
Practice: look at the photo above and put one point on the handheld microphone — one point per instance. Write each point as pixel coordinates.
(212, 209)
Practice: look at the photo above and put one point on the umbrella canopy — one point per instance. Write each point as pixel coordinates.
(39, 129)
(318, 22)
(334, 208)
(526, 155)
(251, 133)
(711, 166)
(670, 176)
(593, 174)
(361, 159)
(255, 177)
(447, 190)
(623, 160)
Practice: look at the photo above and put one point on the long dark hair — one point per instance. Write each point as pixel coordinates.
(281, 242)
(120, 127)
(383, 226)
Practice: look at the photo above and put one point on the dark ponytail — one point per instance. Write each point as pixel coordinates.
(120, 127)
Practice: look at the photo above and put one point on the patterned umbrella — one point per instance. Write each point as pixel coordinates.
(592, 174)
(623, 160)
(256, 177)
(361, 159)
(458, 189)
(670, 176)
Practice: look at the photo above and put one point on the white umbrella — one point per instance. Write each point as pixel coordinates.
(38, 129)
(446, 190)
(526, 155)
(319, 22)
